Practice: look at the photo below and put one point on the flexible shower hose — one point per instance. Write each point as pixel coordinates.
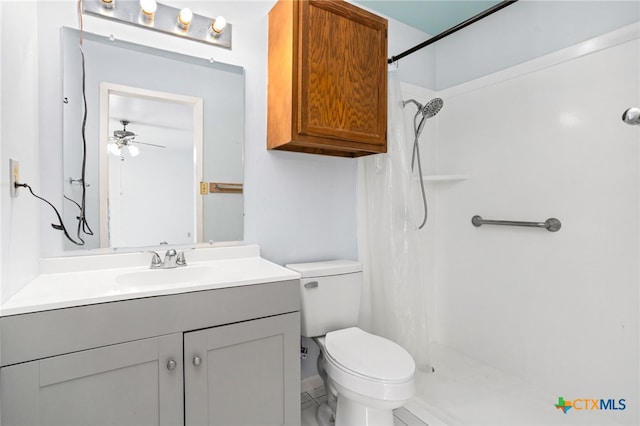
(416, 155)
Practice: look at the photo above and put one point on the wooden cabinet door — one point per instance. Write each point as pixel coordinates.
(327, 67)
(246, 373)
(124, 384)
(342, 73)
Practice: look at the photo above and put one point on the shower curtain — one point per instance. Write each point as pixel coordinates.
(391, 250)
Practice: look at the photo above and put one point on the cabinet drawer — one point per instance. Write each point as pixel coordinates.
(38, 335)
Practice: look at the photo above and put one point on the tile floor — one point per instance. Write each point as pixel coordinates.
(316, 396)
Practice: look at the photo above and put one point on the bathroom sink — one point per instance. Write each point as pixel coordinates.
(189, 274)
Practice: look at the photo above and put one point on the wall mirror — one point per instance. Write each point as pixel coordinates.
(158, 124)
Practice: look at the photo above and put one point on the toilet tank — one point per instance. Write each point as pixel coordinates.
(329, 295)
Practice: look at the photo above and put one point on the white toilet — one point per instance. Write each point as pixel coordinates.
(368, 375)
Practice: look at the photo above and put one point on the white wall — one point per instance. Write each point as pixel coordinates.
(145, 206)
(19, 140)
(559, 310)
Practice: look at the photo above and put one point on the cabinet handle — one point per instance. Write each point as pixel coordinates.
(197, 360)
(311, 284)
(172, 364)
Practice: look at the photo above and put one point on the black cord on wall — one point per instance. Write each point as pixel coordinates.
(83, 225)
(60, 226)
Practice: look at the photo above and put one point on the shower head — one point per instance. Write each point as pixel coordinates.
(427, 110)
(432, 107)
(631, 116)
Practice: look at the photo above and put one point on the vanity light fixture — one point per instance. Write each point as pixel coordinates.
(148, 9)
(166, 19)
(184, 18)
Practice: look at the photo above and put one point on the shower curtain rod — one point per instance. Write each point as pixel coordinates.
(473, 19)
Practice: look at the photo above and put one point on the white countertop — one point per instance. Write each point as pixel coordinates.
(85, 280)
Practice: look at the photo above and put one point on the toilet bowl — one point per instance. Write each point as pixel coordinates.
(371, 376)
(366, 376)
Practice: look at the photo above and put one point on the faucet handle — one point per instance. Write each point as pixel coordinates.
(181, 261)
(156, 262)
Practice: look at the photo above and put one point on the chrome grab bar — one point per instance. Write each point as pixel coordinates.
(551, 224)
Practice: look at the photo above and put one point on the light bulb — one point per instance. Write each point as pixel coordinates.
(113, 149)
(134, 150)
(184, 17)
(218, 24)
(148, 8)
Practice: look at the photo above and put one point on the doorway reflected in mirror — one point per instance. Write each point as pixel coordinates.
(149, 181)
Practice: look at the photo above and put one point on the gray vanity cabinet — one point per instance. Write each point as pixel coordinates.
(122, 384)
(237, 374)
(220, 357)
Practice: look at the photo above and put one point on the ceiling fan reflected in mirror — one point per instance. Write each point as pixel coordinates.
(126, 139)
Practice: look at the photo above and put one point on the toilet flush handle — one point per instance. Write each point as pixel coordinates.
(311, 284)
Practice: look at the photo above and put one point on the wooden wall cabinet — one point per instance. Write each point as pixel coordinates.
(327, 89)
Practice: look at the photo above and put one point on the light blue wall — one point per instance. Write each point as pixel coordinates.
(306, 209)
(418, 69)
(524, 31)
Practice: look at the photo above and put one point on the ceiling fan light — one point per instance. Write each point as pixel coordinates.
(113, 149)
(133, 150)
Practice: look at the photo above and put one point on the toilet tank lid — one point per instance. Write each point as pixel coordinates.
(327, 268)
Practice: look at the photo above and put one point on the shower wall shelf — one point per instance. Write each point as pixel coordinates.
(445, 178)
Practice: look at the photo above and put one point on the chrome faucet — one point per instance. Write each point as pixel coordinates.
(172, 259)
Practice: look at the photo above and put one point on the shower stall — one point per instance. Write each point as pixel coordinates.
(517, 325)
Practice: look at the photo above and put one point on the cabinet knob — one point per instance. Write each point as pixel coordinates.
(197, 360)
(172, 364)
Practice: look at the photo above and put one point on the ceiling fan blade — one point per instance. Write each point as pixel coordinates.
(150, 144)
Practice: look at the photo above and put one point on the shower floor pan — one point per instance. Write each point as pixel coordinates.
(463, 391)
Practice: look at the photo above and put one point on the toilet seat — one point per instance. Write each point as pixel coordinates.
(369, 356)
(368, 365)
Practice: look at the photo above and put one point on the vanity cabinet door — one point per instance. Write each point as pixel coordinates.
(126, 384)
(246, 373)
